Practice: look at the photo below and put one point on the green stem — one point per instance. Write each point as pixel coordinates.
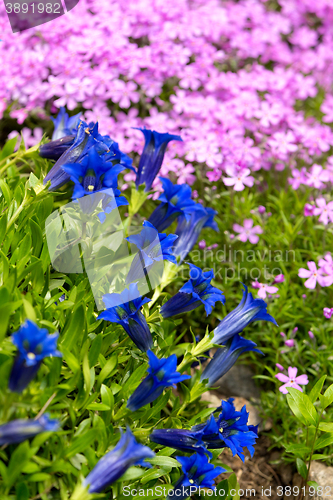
(13, 218)
(311, 454)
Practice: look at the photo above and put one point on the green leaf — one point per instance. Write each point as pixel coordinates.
(301, 467)
(326, 426)
(95, 349)
(324, 440)
(106, 371)
(8, 148)
(164, 461)
(82, 442)
(304, 405)
(327, 398)
(233, 486)
(75, 332)
(222, 489)
(316, 389)
(98, 407)
(19, 458)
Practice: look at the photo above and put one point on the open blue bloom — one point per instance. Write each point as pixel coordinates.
(154, 247)
(247, 311)
(198, 473)
(226, 357)
(95, 175)
(34, 344)
(17, 431)
(195, 292)
(84, 140)
(176, 200)
(114, 464)
(162, 373)
(54, 149)
(124, 308)
(64, 125)
(229, 429)
(87, 136)
(188, 231)
(152, 156)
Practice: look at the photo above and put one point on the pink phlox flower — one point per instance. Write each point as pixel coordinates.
(238, 178)
(325, 210)
(291, 380)
(248, 231)
(313, 275)
(279, 278)
(317, 177)
(298, 177)
(308, 209)
(263, 289)
(328, 312)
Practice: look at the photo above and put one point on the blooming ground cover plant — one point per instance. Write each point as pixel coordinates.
(224, 109)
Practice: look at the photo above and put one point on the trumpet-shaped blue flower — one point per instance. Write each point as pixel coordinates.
(229, 429)
(34, 344)
(153, 247)
(17, 431)
(188, 231)
(124, 308)
(152, 156)
(198, 473)
(87, 136)
(226, 357)
(84, 140)
(95, 175)
(162, 373)
(54, 149)
(64, 125)
(176, 200)
(114, 464)
(248, 310)
(195, 292)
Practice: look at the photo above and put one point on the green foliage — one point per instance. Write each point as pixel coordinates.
(87, 389)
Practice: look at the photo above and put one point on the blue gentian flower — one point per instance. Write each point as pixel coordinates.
(64, 125)
(246, 312)
(198, 473)
(114, 464)
(153, 248)
(124, 308)
(95, 175)
(87, 136)
(34, 344)
(195, 292)
(17, 431)
(176, 200)
(229, 429)
(162, 373)
(152, 156)
(188, 231)
(54, 149)
(84, 140)
(226, 357)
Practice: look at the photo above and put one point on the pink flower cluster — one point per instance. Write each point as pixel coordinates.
(323, 275)
(226, 75)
